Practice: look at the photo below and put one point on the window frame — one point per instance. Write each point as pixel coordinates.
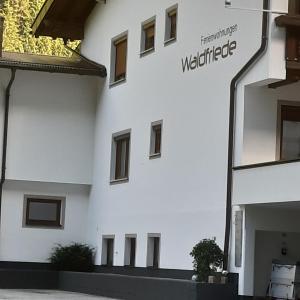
(279, 134)
(116, 137)
(152, 152)
(104, 253)
(57, 224)
(128, 250)
(145, 26)
(168, 24)
(114, 42)
(151, 250)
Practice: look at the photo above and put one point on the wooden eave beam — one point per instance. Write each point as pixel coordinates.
(41, 16)
(288, 21)
(58, 29)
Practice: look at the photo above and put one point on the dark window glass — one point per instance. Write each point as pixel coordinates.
(173, 24)
(290, 132)
(156, 252)
(157, 137)
(110, 252)
(149, 31)
(43, 212)
(122, 157)
(120, 60)
(132, 251)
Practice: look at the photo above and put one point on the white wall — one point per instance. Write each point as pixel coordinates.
(182, 195)
(51, 127)
(26, 244)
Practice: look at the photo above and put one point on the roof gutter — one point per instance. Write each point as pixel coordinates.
(233, 86)
(5, 132)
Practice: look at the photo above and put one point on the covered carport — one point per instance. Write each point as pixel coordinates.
(272, 232)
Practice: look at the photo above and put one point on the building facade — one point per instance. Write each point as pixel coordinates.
(192, 134)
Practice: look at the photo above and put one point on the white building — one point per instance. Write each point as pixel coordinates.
(195, 126)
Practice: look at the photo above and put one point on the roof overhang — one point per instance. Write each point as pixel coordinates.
(77, 64)
(63, 19)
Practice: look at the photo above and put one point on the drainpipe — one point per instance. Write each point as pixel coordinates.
(233, 86)
(5, 132)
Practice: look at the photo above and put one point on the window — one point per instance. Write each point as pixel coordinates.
(171, 24)
(148, 36)
(43, 212)
(107, 258)
(119, 59)
(120, 156)
(130, 250)
(153, 250)
(290, 132)
(155, 141)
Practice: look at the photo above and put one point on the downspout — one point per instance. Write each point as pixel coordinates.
(233, 86)
(5, 132)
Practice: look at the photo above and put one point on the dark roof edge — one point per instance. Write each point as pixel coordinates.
(54, 68)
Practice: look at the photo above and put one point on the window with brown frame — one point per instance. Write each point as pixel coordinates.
(290, 132)
(155, 141)
(120, 159)
(171, 24)
(43, 212)
(120, 58)
(148, 36)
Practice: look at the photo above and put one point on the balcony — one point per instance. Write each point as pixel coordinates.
(273, 182)
(267, 146)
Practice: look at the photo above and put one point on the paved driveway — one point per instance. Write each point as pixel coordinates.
(45, 295)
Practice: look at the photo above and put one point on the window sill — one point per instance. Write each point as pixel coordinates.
(61, 227)
(156, 155)
(146, 52)
(115, 83)
(170, 41)
(118, 181)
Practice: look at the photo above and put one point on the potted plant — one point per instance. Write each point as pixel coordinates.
(208, 257)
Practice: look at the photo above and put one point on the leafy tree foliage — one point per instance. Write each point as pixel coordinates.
(207, 258)
(19, 16)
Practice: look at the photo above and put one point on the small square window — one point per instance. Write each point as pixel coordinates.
(153, 251)
(119, 59)
(148, 36)
(43, 212)
(155, 140)
(171, 24)
(107, 258)
(120, 156)
(130, 250)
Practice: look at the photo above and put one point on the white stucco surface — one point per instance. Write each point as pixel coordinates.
(34, 244)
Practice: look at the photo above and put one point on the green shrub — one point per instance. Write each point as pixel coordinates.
(207, 258)
(75, 257)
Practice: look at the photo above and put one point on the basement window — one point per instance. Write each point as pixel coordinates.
(130, 250)
(119, 59)
(107, 258)
(171, 24)
(155, 140)
(148, 36)
(43, 212)
(120, 157)
(153, 251)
